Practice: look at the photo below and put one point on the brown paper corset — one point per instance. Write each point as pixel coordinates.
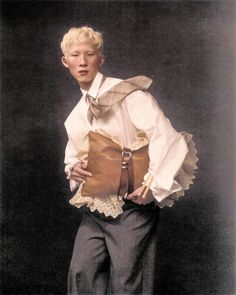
(115, 171)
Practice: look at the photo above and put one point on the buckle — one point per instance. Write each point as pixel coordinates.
(126, 155)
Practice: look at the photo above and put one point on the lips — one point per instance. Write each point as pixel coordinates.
(83, 72)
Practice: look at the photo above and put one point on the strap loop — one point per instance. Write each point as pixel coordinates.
(124, 180)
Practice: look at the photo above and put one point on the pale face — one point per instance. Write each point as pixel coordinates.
(83, 62)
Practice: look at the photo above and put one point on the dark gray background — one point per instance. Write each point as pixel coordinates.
(188, 48)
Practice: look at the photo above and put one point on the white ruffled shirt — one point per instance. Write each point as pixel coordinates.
(139, 111)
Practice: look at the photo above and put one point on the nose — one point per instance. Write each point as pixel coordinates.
(82, 61)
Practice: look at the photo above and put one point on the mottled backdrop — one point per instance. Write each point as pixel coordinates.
(188, 48)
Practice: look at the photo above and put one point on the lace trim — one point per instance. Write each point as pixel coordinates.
(109, 206)
(186, 174)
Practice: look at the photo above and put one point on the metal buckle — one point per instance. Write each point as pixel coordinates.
(126, 155)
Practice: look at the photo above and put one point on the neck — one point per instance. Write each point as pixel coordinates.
(85, 86)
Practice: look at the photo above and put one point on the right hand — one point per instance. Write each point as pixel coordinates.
(78, 173)
(137, 197)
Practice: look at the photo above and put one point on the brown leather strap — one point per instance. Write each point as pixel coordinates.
(124, 180)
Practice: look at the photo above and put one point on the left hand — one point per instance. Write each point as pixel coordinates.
(136, 196)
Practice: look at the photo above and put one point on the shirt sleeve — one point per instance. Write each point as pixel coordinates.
(71, 159)
(167, 147)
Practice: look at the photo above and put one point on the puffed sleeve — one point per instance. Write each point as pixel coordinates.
(167, 147)
(77, 145)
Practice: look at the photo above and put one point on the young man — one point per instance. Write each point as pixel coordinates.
(114, 251)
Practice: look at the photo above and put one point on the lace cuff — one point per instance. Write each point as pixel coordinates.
(185, 175)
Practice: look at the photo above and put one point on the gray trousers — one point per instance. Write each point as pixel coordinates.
(115, 256)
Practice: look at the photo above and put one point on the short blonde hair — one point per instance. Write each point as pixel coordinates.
(82, 35)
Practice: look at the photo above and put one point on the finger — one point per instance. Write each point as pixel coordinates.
(145, 193)
(85, 173)
(79, 171)
(136, 193)
(131, 196)
(141, 190)
(148, 184)
(78, 178)
(80, 168)
(76, 175)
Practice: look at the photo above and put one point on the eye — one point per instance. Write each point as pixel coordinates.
(90, 54)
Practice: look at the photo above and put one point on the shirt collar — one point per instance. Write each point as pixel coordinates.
(93, 90)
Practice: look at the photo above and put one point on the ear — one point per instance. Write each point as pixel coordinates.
(102, 60)
(64, 62)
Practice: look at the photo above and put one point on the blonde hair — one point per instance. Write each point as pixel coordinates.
(82, 35)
